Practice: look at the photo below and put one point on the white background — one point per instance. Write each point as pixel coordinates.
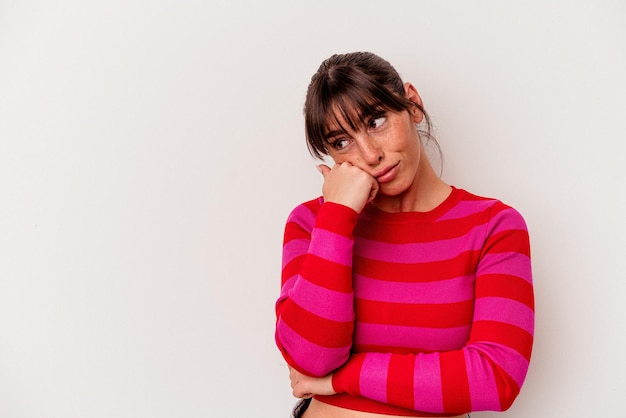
(150, 152)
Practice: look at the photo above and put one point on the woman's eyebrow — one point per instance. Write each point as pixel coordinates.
(332, 134)
(372, 111)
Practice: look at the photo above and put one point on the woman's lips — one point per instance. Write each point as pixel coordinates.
(388, 174)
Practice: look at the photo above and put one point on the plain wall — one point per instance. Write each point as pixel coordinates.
(150, 152)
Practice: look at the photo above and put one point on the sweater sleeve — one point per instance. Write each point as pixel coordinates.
(488, 371)
(315, 312)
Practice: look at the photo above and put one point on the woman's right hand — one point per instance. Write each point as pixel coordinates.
(348, 185)
(304, 386)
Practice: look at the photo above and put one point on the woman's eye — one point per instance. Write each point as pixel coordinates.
(340, 144)
(377, 122)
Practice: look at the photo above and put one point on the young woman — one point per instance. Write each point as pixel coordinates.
(401, 295)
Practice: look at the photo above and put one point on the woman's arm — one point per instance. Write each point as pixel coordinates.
(315, 312)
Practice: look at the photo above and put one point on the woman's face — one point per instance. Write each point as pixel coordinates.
(387, 146)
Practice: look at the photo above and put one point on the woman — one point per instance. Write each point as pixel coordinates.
(401, 295)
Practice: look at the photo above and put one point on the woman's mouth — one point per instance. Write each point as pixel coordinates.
(387, 174)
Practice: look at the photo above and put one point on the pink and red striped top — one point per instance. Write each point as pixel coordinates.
(415, 314)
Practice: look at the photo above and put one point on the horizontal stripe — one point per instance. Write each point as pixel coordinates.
(443, 291)
(507, 219)
(314, 204)
(419, 232)
(301, 217)
(320, 331)
(291, 269)
(317, 360)
(322, 302)
(327, 274)
(336, 218)
(467, 208)
(504, 310)
(414, 338)
(511, 240)
(286, 287)
(506, 286)
(512, 362)
(420, 252)
(513, 264)
(495, 333)
(305, 212)
(331, 246)
(295, 231)
(293, 249)
(324, 273)
(447, 315)
(462, 265)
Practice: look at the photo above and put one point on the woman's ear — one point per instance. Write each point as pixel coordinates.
(411, 93)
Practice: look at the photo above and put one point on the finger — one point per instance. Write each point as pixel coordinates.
(373, 192)
(299, 393)
(324, 169)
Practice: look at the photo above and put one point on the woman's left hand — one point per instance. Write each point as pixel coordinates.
(304, 386)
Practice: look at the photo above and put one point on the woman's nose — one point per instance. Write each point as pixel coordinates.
(371, 151)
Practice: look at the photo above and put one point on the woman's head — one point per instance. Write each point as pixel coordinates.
(351, 88)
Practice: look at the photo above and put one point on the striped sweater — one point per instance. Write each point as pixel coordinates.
(414, 313)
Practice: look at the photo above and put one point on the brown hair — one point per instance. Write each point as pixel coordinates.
(356, 86)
